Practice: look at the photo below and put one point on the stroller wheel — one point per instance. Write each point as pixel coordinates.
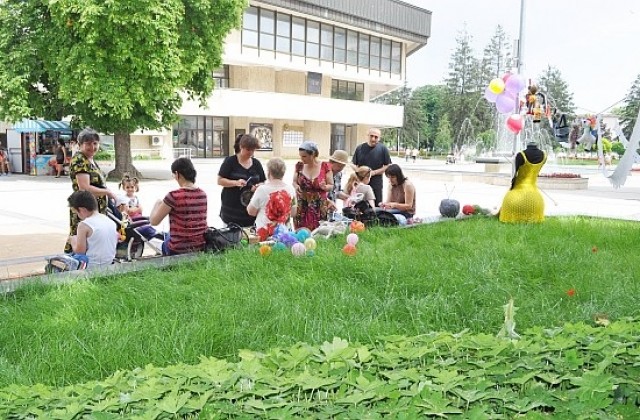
(135, 250)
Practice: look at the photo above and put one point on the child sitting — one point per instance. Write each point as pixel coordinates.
(358, 188)
(95, 243)
(131, 186)
(145, 229)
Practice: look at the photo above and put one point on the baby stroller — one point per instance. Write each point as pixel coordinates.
(362, 211)
(134, 234)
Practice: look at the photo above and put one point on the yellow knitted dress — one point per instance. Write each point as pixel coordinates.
(524, 203)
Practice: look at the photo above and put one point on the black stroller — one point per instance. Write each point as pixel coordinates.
(363, 212)
(134, 235)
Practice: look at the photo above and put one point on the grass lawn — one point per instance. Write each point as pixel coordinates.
(440, 277)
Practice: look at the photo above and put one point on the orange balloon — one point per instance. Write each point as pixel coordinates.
(349, 250)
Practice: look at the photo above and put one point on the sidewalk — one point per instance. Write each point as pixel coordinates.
(34, 216)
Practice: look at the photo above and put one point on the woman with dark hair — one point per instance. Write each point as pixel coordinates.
(312, 180)
(234, 174)
(401, 198)
(61, 157)
(86, 175)
(187, 211)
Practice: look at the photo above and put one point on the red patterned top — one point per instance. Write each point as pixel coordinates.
(187, 219)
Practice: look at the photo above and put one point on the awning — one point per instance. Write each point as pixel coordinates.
(40, 126)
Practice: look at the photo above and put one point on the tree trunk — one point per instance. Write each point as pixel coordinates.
(124, 162)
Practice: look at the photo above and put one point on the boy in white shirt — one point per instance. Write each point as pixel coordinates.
(97, 237)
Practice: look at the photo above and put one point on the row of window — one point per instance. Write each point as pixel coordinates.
(281, 32)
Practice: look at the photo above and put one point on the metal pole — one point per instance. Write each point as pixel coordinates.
(516, 138)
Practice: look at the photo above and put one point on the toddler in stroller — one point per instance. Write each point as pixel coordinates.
(134, 233)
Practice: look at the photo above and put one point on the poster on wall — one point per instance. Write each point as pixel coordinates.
(264, 133)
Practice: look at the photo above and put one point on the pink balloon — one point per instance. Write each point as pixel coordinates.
(515, 123)
(490, 96)
(505, 103)
(514, 84)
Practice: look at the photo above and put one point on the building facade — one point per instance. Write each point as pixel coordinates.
(305, 70)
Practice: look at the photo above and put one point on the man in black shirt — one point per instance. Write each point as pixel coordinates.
(376, 156)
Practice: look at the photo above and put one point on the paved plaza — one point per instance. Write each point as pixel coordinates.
(34, 214)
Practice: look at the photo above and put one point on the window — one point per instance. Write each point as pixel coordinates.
(283, 33)
(385, 56)
(267, 29)
(396, 57)
(340, 45)
(375, 53)
(326, 41)
(291, 138)
(221, 77)
(250, 28)
(352, 48)
(297, 36)
(342, 89)
(313, 39)
(363, 50)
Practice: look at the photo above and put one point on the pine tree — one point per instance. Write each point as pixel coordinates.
(462, 83)
(629, 113)
(444, 138)
(557, 90)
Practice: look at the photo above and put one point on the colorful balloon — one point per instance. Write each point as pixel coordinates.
(349, 250)
(352, 239)
(298, 249)
(515, 84)
(515, 123)
(490, 96)
(310, 244)
(496, 86)
(505, 103)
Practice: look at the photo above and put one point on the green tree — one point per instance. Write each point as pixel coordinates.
(629, 113)
(444, 137)
(115, 65)
(432, 102)
(462, 83)
(496, 60)
(557, 90)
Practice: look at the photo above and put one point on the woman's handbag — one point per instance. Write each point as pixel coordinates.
(217, 240)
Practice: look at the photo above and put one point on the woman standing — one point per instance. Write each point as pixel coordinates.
(312, 180)
(187, 211)
(234, 173)
(61, 157)
(86, 175)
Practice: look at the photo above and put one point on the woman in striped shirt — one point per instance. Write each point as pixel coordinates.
(187, 211)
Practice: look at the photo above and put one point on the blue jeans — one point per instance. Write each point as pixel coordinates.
(165, 245)
(82, 259)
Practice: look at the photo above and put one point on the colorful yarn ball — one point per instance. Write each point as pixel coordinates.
(349, 250)
(310, 244)
(298, 249)
(265, 250)
(353, 239)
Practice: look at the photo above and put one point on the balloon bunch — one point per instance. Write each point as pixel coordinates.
(504, 92)
(300, 242)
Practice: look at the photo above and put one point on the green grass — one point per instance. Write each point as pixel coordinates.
(445, 276)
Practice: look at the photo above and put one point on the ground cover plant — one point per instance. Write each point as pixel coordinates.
(441, 277)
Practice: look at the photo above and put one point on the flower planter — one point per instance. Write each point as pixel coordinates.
(562, 183)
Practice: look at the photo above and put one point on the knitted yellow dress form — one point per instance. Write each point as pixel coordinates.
(524, 203)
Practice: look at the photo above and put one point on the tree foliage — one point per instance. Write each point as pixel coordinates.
(115, 65)
(629, 113)
(557, 90)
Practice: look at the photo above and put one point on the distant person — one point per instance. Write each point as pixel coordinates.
(61, 157)
(312, 180)
(5, 164)
(338, 160)
(524, 202)
(401, 198)
(407, 154)
(234, 173)
(414, 154)
(274, 201)
(187, 211)
(95, 241)
(376, 156)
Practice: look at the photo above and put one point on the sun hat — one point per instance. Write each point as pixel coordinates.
(309, 146)
(340, 156)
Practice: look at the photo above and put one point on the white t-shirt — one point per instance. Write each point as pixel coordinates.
(101, 245)
(261, 197)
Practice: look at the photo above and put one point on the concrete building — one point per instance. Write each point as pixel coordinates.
(305, 69)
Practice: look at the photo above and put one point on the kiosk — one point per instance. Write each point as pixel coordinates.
(32, 143)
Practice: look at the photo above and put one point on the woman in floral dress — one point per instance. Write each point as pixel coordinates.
(312, 180)
(86, 176)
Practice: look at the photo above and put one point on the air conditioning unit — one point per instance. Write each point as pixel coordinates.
(156, 141)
